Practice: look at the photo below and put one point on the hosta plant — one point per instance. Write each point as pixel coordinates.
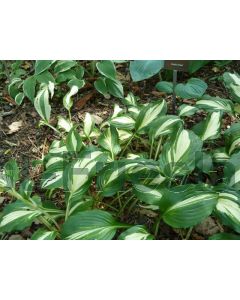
(57, 73)
(140, 156)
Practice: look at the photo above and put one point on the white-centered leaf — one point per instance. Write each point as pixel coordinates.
(109, 140)
(187, 206)
(185, 110)
(122, 122)
(137, 232)
(41, 104)
(211, 104)
(209, 128)
(178, 155)
(90, 225)
(232, 138)
(164, 125)
(149, 113)
(228, 209)
(88, 125)
(67, 100)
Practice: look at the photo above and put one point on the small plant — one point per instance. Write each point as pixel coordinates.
(139, 156)
(69, 72)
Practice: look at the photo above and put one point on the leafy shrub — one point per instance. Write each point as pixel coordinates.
(140, 155)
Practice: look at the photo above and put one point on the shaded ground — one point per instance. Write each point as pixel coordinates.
(30, 142)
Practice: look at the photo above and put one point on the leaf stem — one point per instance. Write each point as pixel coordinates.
(158, 148)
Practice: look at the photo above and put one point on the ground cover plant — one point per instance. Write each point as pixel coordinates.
(179, 172)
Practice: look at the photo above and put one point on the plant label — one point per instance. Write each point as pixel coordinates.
(179, 65)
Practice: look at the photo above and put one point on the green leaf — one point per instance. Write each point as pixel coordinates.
(211, 104)
(19, 98)
(220, 156)
(130, 100)
(112, 177)
(90, 225)
(224, 236)
(11, 173)
(148, 194)
(53, 177)
(165, 86)
(88, 125)
(109, 140)
(144, 69)
(45, 77)
(73, 141)
(232, 83)
(64, 65)
(107, 69)
(210, 128)
(42, 234)
(114, 88)
(101, 87)
(42, 65)
(77, 82)
(14, 87)
(228, 209)
(26, 188)
(67, 100)
(13, 220)
(41, 104)
(195, 65)
(122, 122)
(194, 88)
(164, 125)
(64, 124)
(232, 171)
(148, 114)
(78, 175)
(137, 232)
(29, 86)
(189, 205)
(204, 162)
(232, 138)
(185, 110)
(178, 155)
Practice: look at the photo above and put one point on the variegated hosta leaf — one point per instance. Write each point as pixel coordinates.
(113, 176)
(232, 171)
(232, 138)
(26, 188)
(90, 225)
(64, 124)
(134, 111)
(67, 100)
(73, 141)
(148, 194)
(77, 175)
(124, 135)
(232, 83)
(211, 104)
(164, 125)
(122, 122)
(10, 221)
(88, 125)
(149, 113)
(130, 100)
(178, 155)
(228, 209)
(42, 234)
(116, 110)
(137, 232)
(109, 140)
(41, 104)
(145, 170)
(210, 128)
(220, 155)
(187, 206)
(53, 177)
(186, 110)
